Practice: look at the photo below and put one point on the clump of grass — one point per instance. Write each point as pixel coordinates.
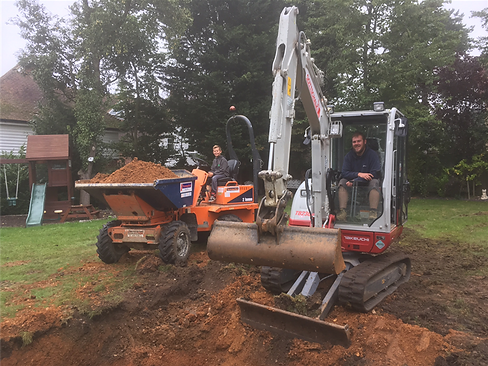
(98, 288)
(53, 254)
(165, 268)
(26, 338)
(297, 304)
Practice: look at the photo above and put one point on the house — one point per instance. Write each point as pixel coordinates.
(19, 100)
(19, 97)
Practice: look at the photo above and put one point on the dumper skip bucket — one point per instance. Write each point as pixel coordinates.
(178, 190)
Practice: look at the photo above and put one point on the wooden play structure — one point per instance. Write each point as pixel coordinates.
(50, 181)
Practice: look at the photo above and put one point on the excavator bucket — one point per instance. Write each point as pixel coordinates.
(293, 325)
(304, 249)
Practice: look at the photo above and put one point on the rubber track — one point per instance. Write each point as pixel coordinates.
(354, 282)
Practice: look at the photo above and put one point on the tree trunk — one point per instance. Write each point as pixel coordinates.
(86, 175)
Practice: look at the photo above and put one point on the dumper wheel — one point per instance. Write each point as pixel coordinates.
(106, 249)
(175, 244)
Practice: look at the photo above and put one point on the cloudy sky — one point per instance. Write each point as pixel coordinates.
(12, 43)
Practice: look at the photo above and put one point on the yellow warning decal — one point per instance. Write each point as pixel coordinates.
(289, 86)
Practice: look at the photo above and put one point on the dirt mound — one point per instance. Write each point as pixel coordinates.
(137, 171)
(189, 315)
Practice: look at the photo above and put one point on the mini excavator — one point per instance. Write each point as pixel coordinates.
(302, 252)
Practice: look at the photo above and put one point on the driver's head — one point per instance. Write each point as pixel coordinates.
(216, 150)
(358, 143)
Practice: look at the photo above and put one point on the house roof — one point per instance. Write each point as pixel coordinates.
(19, 96)
(47, 147)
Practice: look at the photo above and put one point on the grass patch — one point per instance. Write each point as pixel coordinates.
(58, 265)
(462, 221)
(26, 338)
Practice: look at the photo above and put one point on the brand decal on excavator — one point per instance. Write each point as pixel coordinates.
(313, 94)
(302, 213)
(356, 238)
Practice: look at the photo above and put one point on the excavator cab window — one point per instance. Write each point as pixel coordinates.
(360, 200)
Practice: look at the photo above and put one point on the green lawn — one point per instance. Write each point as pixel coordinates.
(463, 221)
(45, 263)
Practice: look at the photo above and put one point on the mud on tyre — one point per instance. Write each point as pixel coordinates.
(174, 243)
(107, 251)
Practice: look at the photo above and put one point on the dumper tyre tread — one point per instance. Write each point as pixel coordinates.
(175, 244)
(107, 251)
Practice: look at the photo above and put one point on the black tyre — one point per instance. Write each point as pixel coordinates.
(278, 280)
(106, 249)
(229, 217)
(175, 244)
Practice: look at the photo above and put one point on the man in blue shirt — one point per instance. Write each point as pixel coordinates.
(362, 167)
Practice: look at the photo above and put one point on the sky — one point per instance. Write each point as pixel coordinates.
(11, 42)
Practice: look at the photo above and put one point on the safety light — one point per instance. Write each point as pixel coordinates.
(378, 106)
(335, 129)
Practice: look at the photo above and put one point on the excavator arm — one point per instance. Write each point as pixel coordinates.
(294, 73)
(270, 242)
(283, 250)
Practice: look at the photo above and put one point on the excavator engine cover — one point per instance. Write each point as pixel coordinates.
(305, 249)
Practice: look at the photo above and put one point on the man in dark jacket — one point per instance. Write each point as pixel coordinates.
(362, 167)
(218, 170)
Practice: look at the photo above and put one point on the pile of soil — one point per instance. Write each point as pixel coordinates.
(137, 171)
(189, 316)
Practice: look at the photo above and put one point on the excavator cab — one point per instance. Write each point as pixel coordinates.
(386, 134)
(363, 205)
(363, 229)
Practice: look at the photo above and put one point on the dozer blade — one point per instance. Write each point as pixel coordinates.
(304, 249)
(292, 325)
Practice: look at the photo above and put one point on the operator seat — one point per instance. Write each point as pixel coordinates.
(373, 144)
(233, 171)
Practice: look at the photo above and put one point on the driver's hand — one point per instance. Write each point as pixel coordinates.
(366, 176)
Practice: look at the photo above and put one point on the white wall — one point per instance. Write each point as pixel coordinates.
(13, 135)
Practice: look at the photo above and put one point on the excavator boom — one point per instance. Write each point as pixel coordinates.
(270, 241)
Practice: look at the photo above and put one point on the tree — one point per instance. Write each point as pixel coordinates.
(461, 105)
(388, 51)
(471, 172)
(223, 58)
(77, 62)
(383, 50)
(482, 42)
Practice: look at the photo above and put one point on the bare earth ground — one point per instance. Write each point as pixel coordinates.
(189, 316)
